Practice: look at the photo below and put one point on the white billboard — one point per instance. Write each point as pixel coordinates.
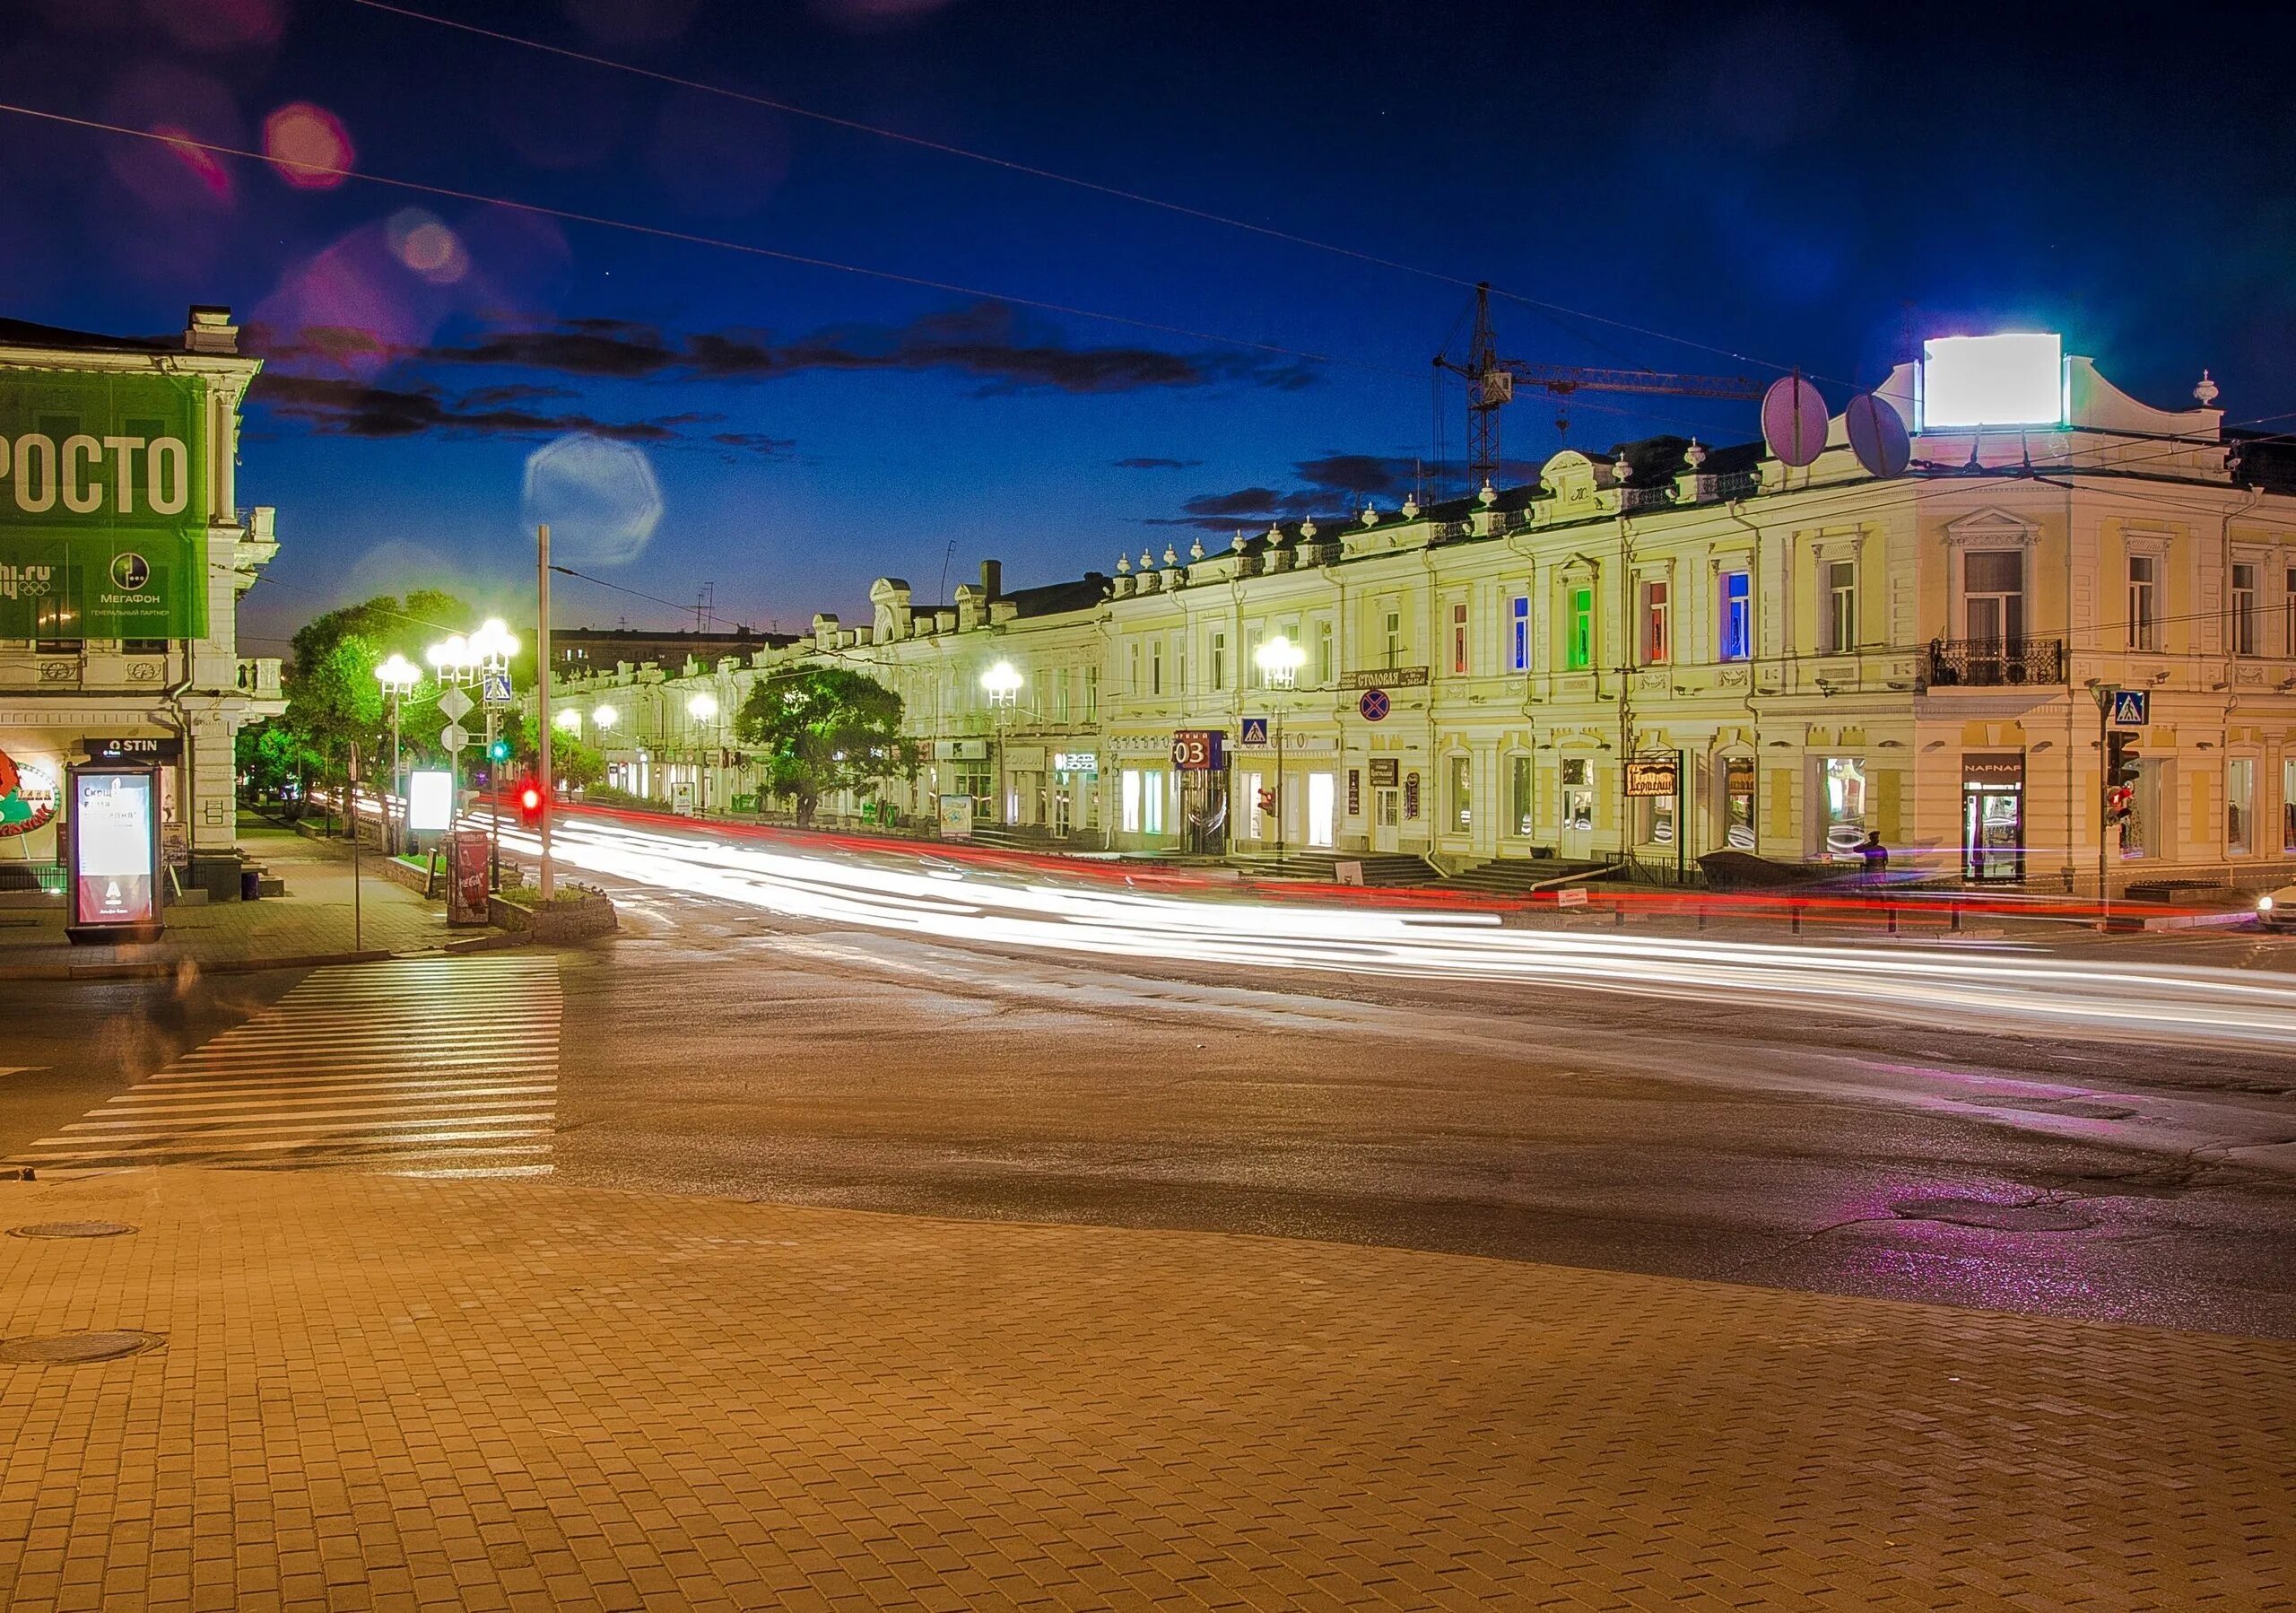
(429, 800)
(115, 849)
(2015, 379)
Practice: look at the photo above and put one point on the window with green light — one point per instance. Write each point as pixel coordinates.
(1580, 646)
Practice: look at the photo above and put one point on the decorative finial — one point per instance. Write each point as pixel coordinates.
(1308, 528)
(1620, 470)
(1370, 516)
(2205, 391)
(1124, 565)
(1695, 453)
(1172, 555)
(1274, 533)
(1236, 543)
(1488, 495)
(1196, 549)
(1147, 560)
(1410, 508)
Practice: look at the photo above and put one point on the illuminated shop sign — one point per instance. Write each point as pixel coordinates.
(27, 796)
(2004, 380)
(103, 506)
(114, 837)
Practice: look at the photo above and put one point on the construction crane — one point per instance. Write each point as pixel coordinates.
(1492, 381)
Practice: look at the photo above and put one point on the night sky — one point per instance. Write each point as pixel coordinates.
(1775, 186)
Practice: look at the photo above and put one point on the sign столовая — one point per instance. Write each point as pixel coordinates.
(103, 506)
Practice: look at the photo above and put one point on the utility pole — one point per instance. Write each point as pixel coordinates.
(2104, 694)
(542, 883)
(358, 923)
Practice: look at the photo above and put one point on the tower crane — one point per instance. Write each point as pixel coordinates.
(1492, 381)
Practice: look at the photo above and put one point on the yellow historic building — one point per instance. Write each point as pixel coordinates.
(1648, 658)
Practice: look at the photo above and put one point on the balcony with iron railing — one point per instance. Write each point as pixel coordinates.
(1994, 663)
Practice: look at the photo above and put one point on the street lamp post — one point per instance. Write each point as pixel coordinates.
(453, 664)
(703, 709)
(1003, 684)
(491, 647)
(1279, 661)
(399, 675)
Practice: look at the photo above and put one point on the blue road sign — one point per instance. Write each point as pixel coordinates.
(2131, 707)
(1255, 730)
(494, 688)
(1373, 705)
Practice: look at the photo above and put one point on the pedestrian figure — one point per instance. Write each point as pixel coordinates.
(1877, 859)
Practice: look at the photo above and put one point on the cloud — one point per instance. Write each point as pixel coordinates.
(988, 343)
(495, 397)
(755, 442)
(1336, 484)
(340, 406)
(1148, 462)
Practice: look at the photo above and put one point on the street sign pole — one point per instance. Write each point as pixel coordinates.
(541, 703)
(493, 809)
(358, 929)
(2105, 693)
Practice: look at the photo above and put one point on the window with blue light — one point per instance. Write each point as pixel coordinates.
(1519, 659)
(1737, 634)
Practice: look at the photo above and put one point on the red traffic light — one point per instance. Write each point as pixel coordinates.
(530, 800)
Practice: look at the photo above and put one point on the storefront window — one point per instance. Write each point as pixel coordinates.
(1462, 801)
(2240, 806)
(1247, 788)
(1152, 800)
(1843, 778)
(1131, 786)
(2288, 805)
(1577, 793)
(1520, 794)
(1658, 820)
(1738, 803)
(1321, 799)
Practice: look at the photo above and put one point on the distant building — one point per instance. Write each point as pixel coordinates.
(1650, 656)
(123, 556)
(574, 649)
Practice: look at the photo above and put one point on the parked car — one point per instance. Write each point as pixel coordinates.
(2277, 909)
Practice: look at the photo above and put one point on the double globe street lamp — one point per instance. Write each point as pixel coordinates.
(1279, 661)
(1002, 682)
(398, 676)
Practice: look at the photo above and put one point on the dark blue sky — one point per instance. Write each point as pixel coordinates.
(1800, 186)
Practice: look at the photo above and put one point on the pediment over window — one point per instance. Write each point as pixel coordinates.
(1991, 529)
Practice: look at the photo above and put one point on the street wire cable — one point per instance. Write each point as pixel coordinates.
(184, 142)
(1139, 198)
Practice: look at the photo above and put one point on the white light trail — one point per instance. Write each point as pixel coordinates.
(1089, 916)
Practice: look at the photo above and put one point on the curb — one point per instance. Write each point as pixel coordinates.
(158, 970)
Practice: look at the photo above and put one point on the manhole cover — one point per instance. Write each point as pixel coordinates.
(1997, 1218)
(69, 1349)
(71, 1229)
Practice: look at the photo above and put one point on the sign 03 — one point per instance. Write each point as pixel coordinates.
(103, 505)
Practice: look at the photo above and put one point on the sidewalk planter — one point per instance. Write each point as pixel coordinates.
(575, 915)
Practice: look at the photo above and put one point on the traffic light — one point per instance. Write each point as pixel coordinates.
(2121, 776)
(1267, 802)
(499, 751)
(530, 803)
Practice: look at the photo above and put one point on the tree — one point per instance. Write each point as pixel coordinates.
(825, 728)
(271, 755)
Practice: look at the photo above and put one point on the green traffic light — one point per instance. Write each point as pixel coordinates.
(499, 750)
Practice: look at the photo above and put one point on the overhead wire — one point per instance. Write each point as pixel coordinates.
(182, 142)
(1034, 171)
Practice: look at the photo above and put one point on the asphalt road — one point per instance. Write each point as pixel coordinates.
(717, 1049)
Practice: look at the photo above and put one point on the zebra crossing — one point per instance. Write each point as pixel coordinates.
(428, 1066)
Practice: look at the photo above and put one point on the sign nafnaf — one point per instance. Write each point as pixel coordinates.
(103, 506)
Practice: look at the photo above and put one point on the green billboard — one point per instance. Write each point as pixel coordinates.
(103, 505)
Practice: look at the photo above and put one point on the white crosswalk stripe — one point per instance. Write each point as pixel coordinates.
(445, 1066)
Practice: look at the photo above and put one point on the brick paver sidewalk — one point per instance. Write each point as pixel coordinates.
(312, 919)
(382, 1392)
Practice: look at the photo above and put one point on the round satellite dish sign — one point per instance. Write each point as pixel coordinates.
(1793, 420)
(1877, 435)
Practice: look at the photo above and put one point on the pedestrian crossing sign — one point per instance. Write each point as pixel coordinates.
(1255, 730)
(494, 689)
(2131, 707)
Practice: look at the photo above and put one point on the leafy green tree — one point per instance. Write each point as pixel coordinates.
(270, 756)
(823, 730)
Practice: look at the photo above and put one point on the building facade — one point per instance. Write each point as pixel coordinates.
(1655, 657)
(123, 556)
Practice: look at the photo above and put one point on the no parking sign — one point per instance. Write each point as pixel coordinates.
(1373, 705)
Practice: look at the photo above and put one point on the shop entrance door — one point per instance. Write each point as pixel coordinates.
(1993, 817)
(1386, 820)
(1060, 806)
